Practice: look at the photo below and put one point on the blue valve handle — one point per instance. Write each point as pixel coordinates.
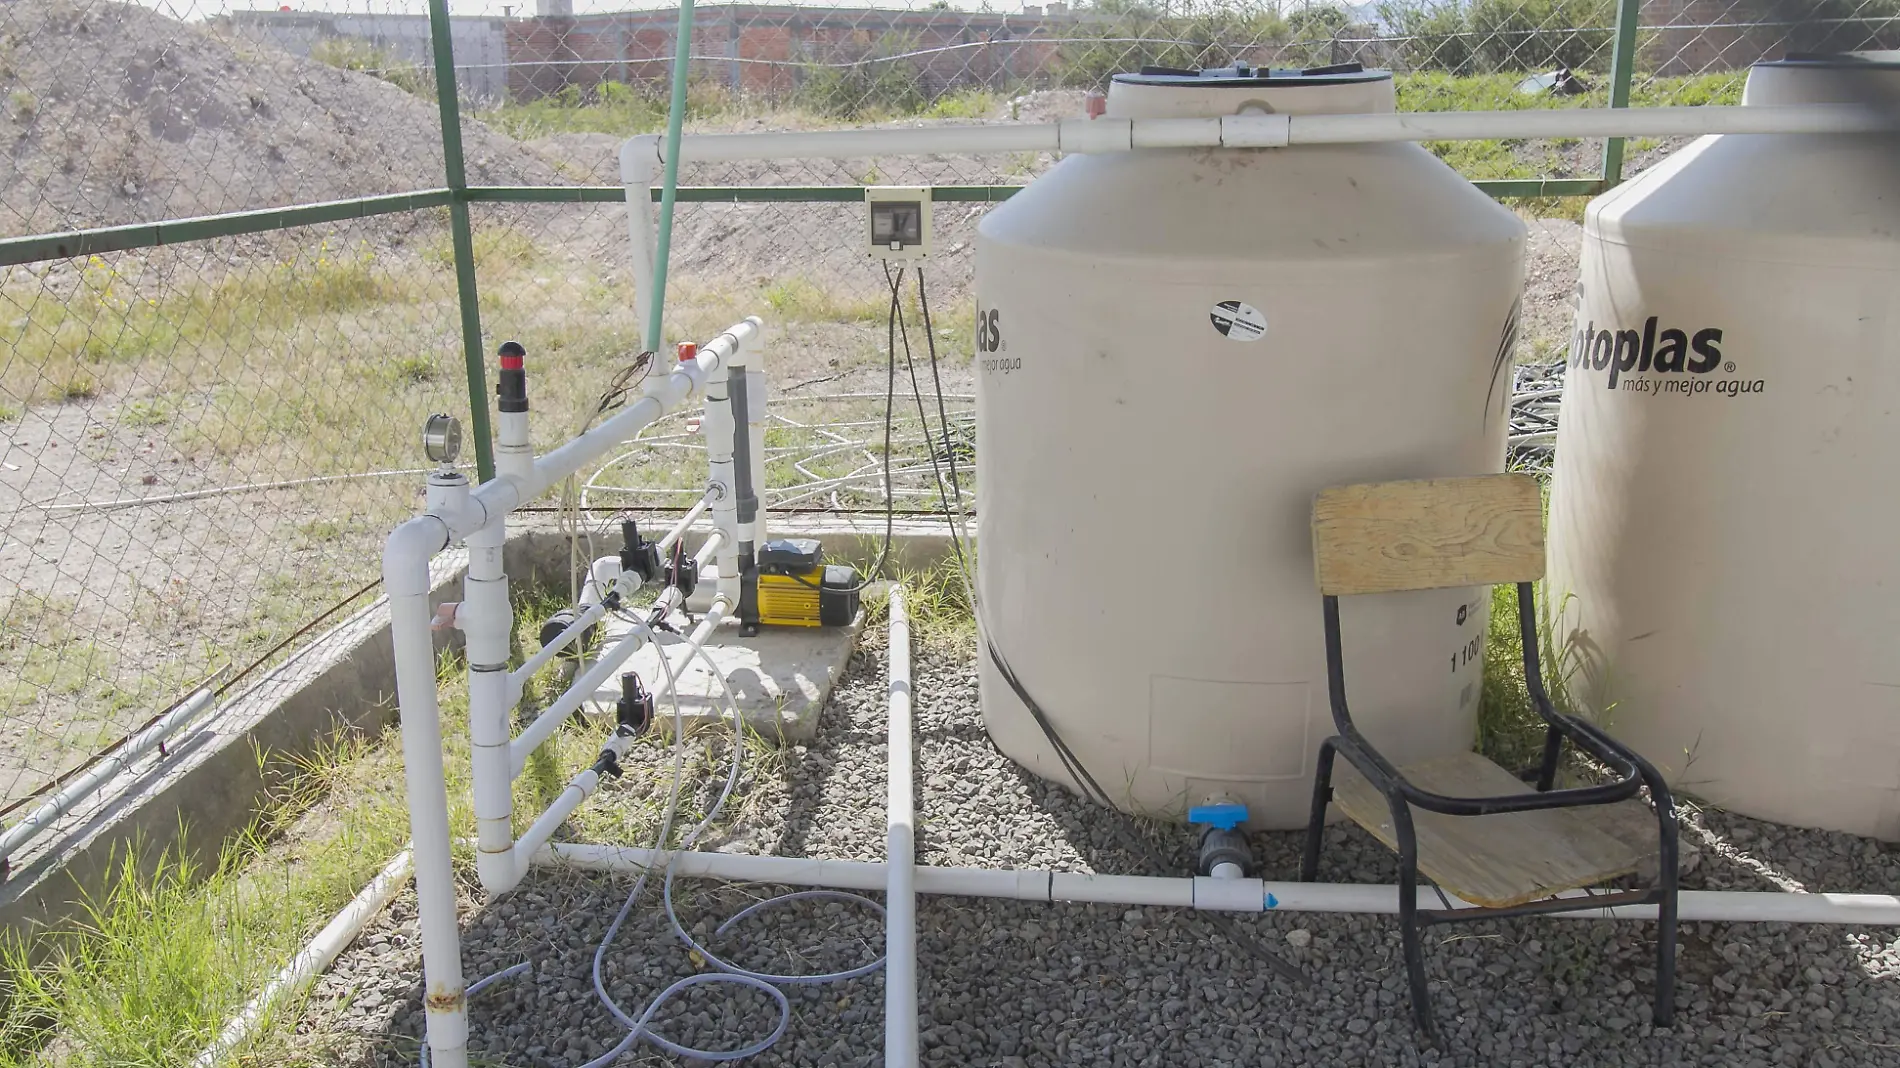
(1226, 817)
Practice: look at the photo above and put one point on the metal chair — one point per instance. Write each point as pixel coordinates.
(1465, 823)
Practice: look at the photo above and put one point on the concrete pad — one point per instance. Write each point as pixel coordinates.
(780, 679)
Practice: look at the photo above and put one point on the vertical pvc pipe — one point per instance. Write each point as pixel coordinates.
(719, 430)
(669, 183)
(487, 618)
(757, 393)
(1629, 13)
(900, 857)
(462, 241)
(639, 159)
(747, 503)
(444, 999)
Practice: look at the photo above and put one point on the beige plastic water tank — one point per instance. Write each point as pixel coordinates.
(1723, 509)
(1176, 350)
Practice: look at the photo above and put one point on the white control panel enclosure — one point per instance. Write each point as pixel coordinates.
(897, 221)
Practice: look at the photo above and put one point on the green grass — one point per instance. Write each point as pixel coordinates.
(1517, 159)
(165, 957)
(1510, 730)
(800, 300)
(964, 104)
(936, 605)
(162, 959)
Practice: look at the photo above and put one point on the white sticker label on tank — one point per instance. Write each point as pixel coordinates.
(1237, 321)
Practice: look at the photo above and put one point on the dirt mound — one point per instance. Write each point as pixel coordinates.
(115, 114)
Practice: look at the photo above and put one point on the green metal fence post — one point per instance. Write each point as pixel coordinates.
(1629, 13)
(464, 244)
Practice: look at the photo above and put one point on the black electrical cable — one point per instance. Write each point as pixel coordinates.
(1077, 771)
(895, 318)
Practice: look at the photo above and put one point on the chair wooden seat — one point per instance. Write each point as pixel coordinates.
(1505, 858)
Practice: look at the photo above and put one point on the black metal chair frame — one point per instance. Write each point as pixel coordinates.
(1631, 770)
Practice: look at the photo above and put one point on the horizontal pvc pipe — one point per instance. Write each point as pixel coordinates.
(1731, 906)
(411, 545)
(1585, 122)
(1121, 889)
(583, 689)
(686, 522)
(590, 683)
(579, 789)
(1265, 131)
(314, 959)
(624, 583)
(590, 616)
(69, 796)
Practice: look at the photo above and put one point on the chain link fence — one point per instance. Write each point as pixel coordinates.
(197, 435)
(208, 425)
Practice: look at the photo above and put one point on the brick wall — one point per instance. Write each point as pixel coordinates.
(763, 49)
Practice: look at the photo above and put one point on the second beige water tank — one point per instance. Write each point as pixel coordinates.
(1723, 510)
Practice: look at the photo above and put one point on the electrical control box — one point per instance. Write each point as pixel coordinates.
(898, 222)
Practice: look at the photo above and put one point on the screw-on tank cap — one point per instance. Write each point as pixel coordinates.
(1871, 78)
(1173, 92)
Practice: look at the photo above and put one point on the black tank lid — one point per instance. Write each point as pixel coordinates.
(1243, 75)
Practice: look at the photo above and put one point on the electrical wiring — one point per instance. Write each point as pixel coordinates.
(894, 322)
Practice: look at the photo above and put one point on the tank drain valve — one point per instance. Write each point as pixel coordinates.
(1224, 852)
(634, 710)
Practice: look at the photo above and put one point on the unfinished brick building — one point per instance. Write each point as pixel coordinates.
(767, 49)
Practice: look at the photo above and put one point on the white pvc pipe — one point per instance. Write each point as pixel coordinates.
(584, 688)
(581, 691)
(406, 557)
(594, 599)
(588, 617)
(486, 618)
(314, 959)
(1730, 906)
(686, 522)
(579, 789)
(42, 817)
(639, 167)
(1268, 131)
(900, 855)
(445, 998)
(514, 456)
(718, 427)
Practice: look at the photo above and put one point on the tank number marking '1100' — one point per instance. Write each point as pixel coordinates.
(1657, 362)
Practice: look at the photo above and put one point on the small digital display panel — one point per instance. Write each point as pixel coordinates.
(897, 222)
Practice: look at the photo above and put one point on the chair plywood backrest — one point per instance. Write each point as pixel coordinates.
(1383, 537)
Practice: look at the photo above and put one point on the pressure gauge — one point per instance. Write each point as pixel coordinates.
(899, 218)
(442, 438)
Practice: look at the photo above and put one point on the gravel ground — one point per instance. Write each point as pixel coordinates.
(1012, 984)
